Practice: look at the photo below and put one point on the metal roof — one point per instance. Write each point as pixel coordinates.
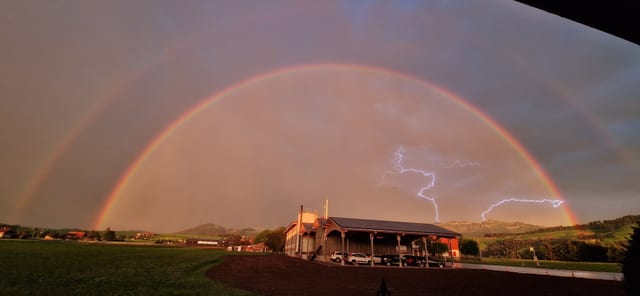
(392, 226)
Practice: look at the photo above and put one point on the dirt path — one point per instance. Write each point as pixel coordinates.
(282, 275)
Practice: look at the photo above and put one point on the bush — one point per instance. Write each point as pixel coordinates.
(469, 248)
(108, 235)
(631, 264)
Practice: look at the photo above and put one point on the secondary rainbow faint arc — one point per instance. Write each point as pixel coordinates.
(182, 119)
(59, 149)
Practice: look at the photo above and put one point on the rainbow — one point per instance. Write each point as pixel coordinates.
(564, 93)
(63, 146)
(193, 111)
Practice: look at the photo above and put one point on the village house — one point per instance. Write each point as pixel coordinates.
(74, 235)
(6, 232)
(200, 242)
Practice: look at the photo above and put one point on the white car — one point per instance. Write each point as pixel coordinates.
(358, 258)
(337, 256)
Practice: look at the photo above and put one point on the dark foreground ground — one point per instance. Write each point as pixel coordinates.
(282, 275)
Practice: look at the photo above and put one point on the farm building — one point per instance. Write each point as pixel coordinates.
(325, 235)
(6, 232)
(199, 242)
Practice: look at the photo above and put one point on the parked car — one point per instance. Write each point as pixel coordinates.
(358, 258)
(435, 263)
(389, 260)
(410, 260)
(377, 259)
(337, 256)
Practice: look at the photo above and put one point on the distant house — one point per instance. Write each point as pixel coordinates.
(145, 235)
(253, 248)
(199, 242)
(259, 247)
(324, 235)
(74, 235)
(6, 232)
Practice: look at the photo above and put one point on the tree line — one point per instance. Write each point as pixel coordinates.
(21, 232)
(559, 249)
(600, 226)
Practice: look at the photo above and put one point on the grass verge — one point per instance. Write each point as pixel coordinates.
(585, 266)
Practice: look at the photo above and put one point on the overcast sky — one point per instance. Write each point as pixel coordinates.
(87, 85)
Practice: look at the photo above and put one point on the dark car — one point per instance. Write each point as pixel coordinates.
(410, 260)
(432, 262)
(435, 263)
(390, 260)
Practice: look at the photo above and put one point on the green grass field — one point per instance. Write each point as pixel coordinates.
(69, 268)
(586, 266)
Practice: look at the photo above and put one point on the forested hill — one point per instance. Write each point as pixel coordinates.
(603, 230)
(217, 230)
(606, 230)
(597, 241)
(475, 229)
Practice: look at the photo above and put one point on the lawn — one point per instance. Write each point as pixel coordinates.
(68, 268)
(586, 266)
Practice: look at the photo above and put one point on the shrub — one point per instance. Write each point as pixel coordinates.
(469, 248)
(631, 264)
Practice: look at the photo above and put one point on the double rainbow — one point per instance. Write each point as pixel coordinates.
(173, 126)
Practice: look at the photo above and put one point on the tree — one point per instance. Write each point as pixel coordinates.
(276, 239)
(24, 234)
(94, 235)
(631, 264)
(616, 252)
(108, 234)
(469, 247)
(262, 236)
(437, 248)
(232, 240)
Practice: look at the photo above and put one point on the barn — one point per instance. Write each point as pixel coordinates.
(310, 234)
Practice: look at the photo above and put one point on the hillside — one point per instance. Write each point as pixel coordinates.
(211, 229)
(598, 241)
(604, 231)
(474, 229)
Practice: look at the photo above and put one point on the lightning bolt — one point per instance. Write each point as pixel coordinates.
(400, 169)
(555, 202)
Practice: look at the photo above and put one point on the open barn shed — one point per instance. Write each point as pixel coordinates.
(320, 236)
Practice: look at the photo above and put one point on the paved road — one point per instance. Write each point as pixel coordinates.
(615, 276)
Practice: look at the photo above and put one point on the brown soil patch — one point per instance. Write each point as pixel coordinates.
(282, 275)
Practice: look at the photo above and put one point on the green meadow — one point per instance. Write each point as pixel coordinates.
(37, 267)
(585, 266)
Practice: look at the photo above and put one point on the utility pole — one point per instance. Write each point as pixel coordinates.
(299, 239)
(426, 252)
(534, 256)
(326, 209)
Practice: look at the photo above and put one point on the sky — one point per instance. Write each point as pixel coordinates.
(161, 115)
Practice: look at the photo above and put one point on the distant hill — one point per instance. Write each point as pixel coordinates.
(604, 231)
(475, 229)
(211, 229)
